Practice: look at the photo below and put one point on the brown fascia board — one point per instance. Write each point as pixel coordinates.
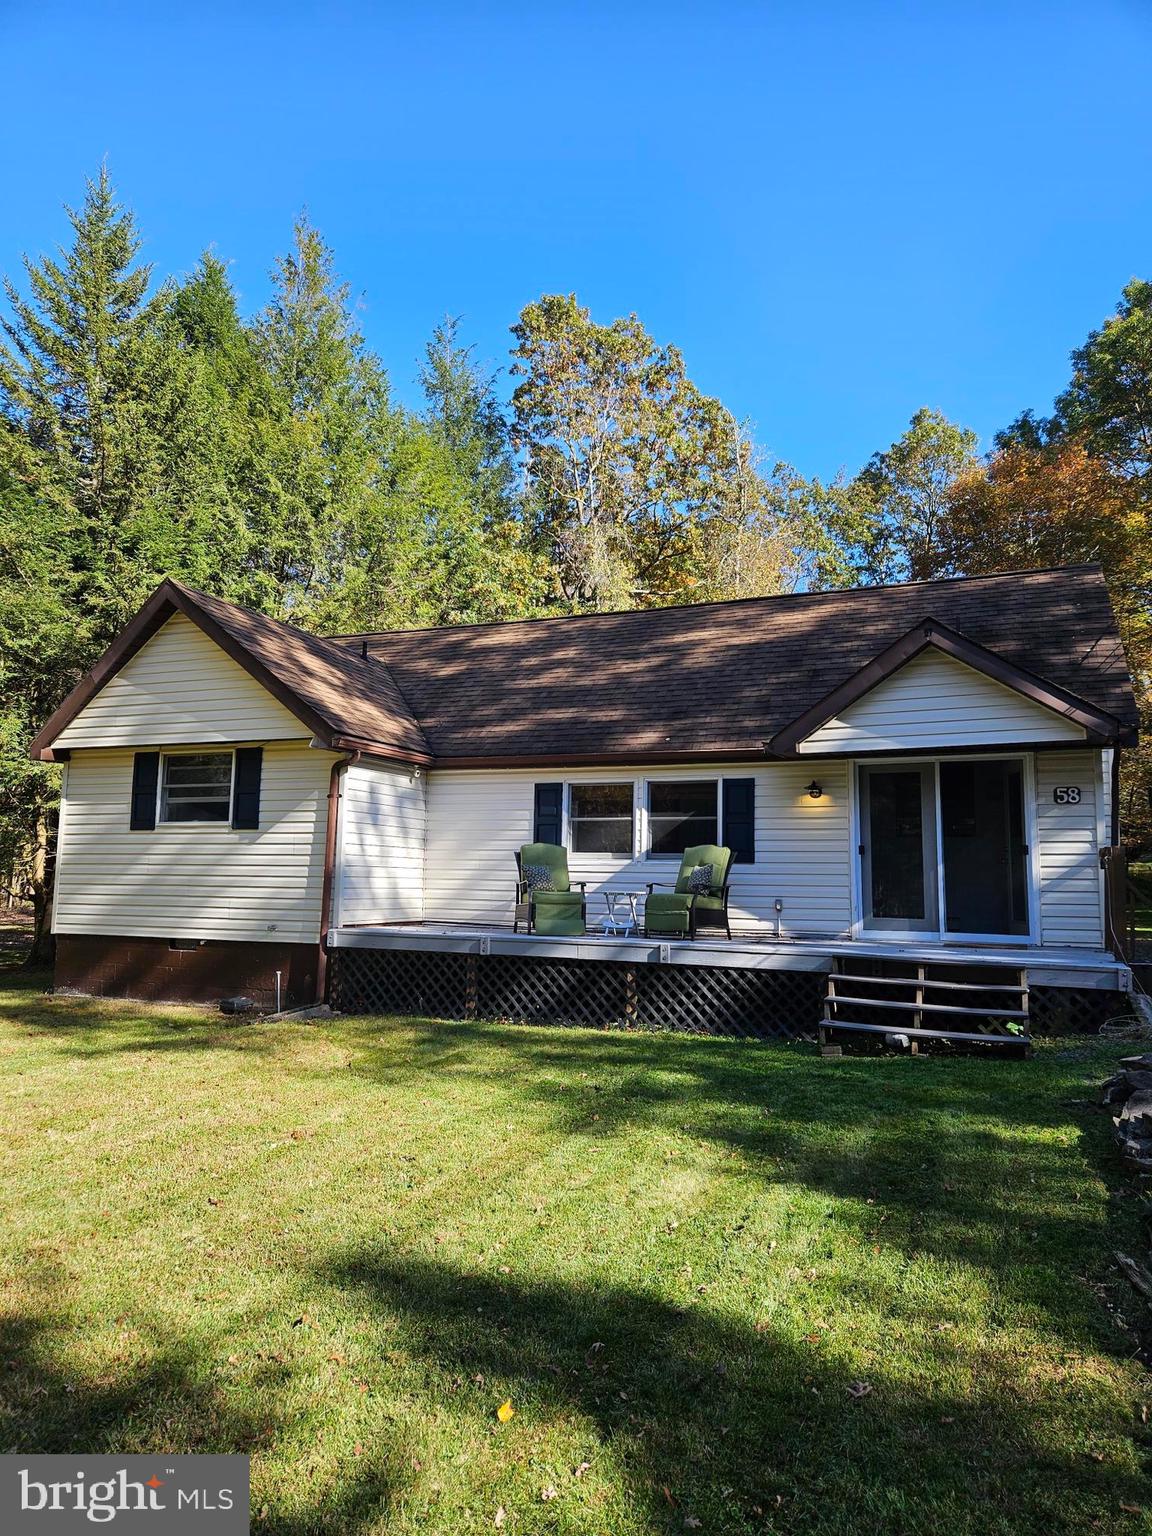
(1100, 727)
(168, 598)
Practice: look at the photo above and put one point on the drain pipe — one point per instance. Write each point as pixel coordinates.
(335, 789)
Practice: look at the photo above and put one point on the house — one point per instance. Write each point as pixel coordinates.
(918, 783)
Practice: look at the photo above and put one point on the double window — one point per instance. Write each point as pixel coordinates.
(196, 786)
(674, 814)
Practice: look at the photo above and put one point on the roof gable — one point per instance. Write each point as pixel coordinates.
(934, 701)
(180, 687)
(344, 700)
(1050, 708)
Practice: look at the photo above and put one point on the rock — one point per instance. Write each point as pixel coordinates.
(1136, 1106)
(1137, 1274)
(1115, 1090)
(240, 1005)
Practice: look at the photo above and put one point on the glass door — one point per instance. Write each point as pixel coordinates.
(983, 841)
(898, 851)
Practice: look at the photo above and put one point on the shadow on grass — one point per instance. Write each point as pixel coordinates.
(175, 1402)
(977, 1161)
(702, 1418)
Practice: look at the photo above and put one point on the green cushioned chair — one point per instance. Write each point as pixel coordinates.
(684, 910)
(562, 910)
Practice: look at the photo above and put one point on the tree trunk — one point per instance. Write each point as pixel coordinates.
(43, 949)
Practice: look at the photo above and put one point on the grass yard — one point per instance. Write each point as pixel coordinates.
(724, 1287)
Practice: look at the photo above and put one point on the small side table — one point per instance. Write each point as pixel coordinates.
(615, 922)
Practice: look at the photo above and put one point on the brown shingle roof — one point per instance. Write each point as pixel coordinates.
(353, 697)
(711, 680)
(723, 678)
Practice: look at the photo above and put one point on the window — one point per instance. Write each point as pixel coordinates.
(196, 786)
(680, 815)
(600, 818)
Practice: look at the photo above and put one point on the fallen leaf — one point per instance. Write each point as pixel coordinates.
(505, 1412)
(691, 1522)
(1132, 1509)
(548, 1493)
(860, 1388)
(357, 1450)
(585, 1466)
(500, 1516)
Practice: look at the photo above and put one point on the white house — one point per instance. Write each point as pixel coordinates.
(912, 776)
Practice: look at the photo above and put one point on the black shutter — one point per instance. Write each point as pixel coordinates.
(246, 788)
(145, 777)
(549, 827)
(740, 819)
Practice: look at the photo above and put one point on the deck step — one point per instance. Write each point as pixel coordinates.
(931, 985)
(855, 1000)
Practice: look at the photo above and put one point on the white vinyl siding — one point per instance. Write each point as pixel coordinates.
(179, 689)
(937, 702)
(381, 848)
(193, 880)
(1071, 902)
(477, 819)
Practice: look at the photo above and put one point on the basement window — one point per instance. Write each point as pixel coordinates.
(196, 786)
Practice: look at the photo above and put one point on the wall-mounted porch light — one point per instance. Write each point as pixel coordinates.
(815, 790)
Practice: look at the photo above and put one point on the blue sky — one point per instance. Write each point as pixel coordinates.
(839, 212)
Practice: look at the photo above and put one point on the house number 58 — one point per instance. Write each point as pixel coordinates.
(1066, 794)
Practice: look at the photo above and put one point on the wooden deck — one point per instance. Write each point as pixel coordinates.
(1046, 967)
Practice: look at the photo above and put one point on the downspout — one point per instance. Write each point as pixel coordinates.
(330, 835)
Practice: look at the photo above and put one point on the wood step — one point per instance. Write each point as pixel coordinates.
(934, 1034)
(924, 981)
(836, 998)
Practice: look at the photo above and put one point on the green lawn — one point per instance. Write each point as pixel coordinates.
(724, 1286)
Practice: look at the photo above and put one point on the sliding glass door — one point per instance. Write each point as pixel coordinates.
(943, 847)
(984, 847)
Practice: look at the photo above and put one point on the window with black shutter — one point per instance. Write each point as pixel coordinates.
(196, 786)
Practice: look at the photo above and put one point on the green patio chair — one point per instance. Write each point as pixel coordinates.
(696, 901)
(546, 900)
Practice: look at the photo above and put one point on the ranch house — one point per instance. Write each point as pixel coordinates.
(908, 794)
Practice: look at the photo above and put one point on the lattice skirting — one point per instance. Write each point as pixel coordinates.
(705, 1000)
(1073, 1010)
